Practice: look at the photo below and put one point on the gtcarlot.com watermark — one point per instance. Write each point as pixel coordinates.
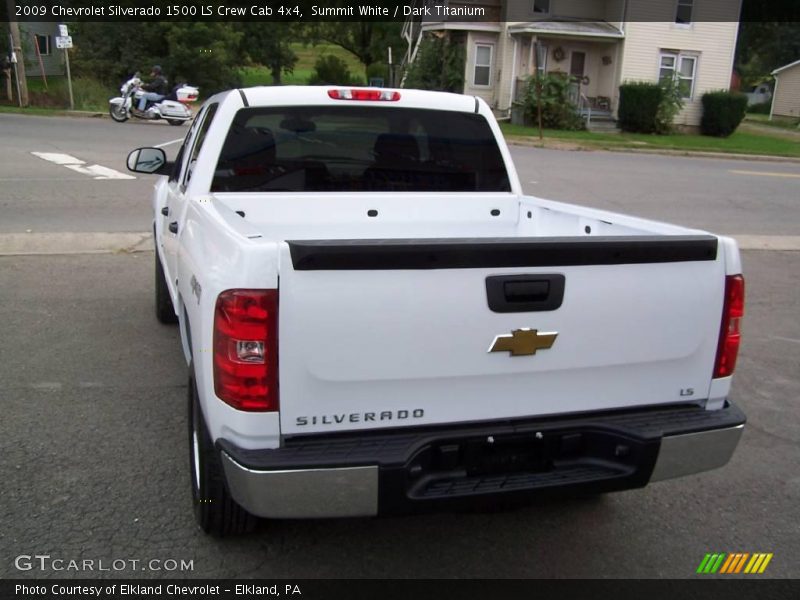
(46, 562)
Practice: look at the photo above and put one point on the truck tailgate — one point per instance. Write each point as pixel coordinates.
(388, 333)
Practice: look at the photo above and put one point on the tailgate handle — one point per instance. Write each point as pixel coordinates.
(524, 293)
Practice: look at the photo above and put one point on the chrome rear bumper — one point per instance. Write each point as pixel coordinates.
(316, 478)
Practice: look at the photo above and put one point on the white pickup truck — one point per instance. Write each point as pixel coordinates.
(377, 320)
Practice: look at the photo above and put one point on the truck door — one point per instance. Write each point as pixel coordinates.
(174, 211)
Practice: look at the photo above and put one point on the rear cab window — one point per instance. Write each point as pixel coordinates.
(346, 149)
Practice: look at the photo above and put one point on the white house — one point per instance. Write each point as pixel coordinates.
(786, 98)
(598, 43)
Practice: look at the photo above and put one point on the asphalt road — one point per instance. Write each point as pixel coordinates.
(724, 196)
(93, 435)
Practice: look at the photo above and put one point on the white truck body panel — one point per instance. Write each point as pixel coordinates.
(412, 343)
(658, 339)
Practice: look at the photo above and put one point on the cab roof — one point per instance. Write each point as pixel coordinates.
(318, 95)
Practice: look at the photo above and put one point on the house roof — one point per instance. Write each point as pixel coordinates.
(783, 68)
(571, 28)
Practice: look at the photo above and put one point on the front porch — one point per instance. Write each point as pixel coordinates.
(587, 53)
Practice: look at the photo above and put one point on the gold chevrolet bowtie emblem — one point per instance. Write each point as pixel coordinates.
(523, 342)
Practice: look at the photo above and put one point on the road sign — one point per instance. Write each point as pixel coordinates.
(62, 30)
(64, 42)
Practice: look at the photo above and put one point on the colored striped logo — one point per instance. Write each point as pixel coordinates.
(737, 562)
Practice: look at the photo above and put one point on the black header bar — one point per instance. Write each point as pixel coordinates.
(456, 253)
(420, 11)
(708, 588)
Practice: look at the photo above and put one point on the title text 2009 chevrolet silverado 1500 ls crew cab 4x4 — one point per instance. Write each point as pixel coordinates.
(377, 320)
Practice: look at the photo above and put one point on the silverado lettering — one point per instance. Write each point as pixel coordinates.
(357, 417)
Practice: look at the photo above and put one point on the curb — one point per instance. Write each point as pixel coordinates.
(133, 242)
(56, 113)
(16, 244)
(577, 147)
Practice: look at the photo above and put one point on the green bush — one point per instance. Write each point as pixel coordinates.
(439, 65)
(558, 112)
(722, 112)
(762, 108)
(669, 107)
(638, 106)
(378, 69)
(331, 70)
(647, 107)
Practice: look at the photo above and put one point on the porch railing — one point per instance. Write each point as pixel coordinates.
(585, 108)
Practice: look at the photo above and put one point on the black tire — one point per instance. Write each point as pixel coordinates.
(118, 113)
(215, 511)
(175, 122)
(165, 312)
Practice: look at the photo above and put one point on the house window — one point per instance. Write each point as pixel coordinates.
(483, 65)
(682, 69)
(43, 43)
(683, 14)
(541, 7)
(541, 59)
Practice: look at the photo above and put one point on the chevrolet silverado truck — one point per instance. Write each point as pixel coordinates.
(376, 319)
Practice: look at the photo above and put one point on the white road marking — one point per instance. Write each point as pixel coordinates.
(76, 164)
(765, 173)
(59, 159)
(168, 143)
(99, 172)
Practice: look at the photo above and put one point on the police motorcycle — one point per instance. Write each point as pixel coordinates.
(173, 108)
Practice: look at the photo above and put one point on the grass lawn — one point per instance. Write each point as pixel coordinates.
(791, 124)
(303, 69)
(738, 143)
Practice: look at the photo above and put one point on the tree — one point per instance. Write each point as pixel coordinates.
(203, 53)
(112, 52)
(368, 41)
(762, 47)
(268, 43)
(439, 64)
(16, 43)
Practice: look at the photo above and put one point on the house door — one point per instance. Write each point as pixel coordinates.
(577, 62)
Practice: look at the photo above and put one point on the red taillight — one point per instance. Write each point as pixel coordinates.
(246, 349)
(730, 333)
(354, 94)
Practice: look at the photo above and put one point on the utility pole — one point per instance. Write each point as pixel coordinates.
(538, 50)
(16, 48)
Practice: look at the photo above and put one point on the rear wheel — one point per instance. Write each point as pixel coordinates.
(175, 122)
(165, 312)
(215, 511)
(118, 113)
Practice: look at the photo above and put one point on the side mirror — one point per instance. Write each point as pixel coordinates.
(152, 161)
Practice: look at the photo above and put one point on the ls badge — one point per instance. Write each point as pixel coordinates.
(523, 342)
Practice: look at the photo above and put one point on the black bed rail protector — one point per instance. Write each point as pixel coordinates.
(470, 253)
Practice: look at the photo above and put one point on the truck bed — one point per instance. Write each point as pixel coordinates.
(386, 307)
